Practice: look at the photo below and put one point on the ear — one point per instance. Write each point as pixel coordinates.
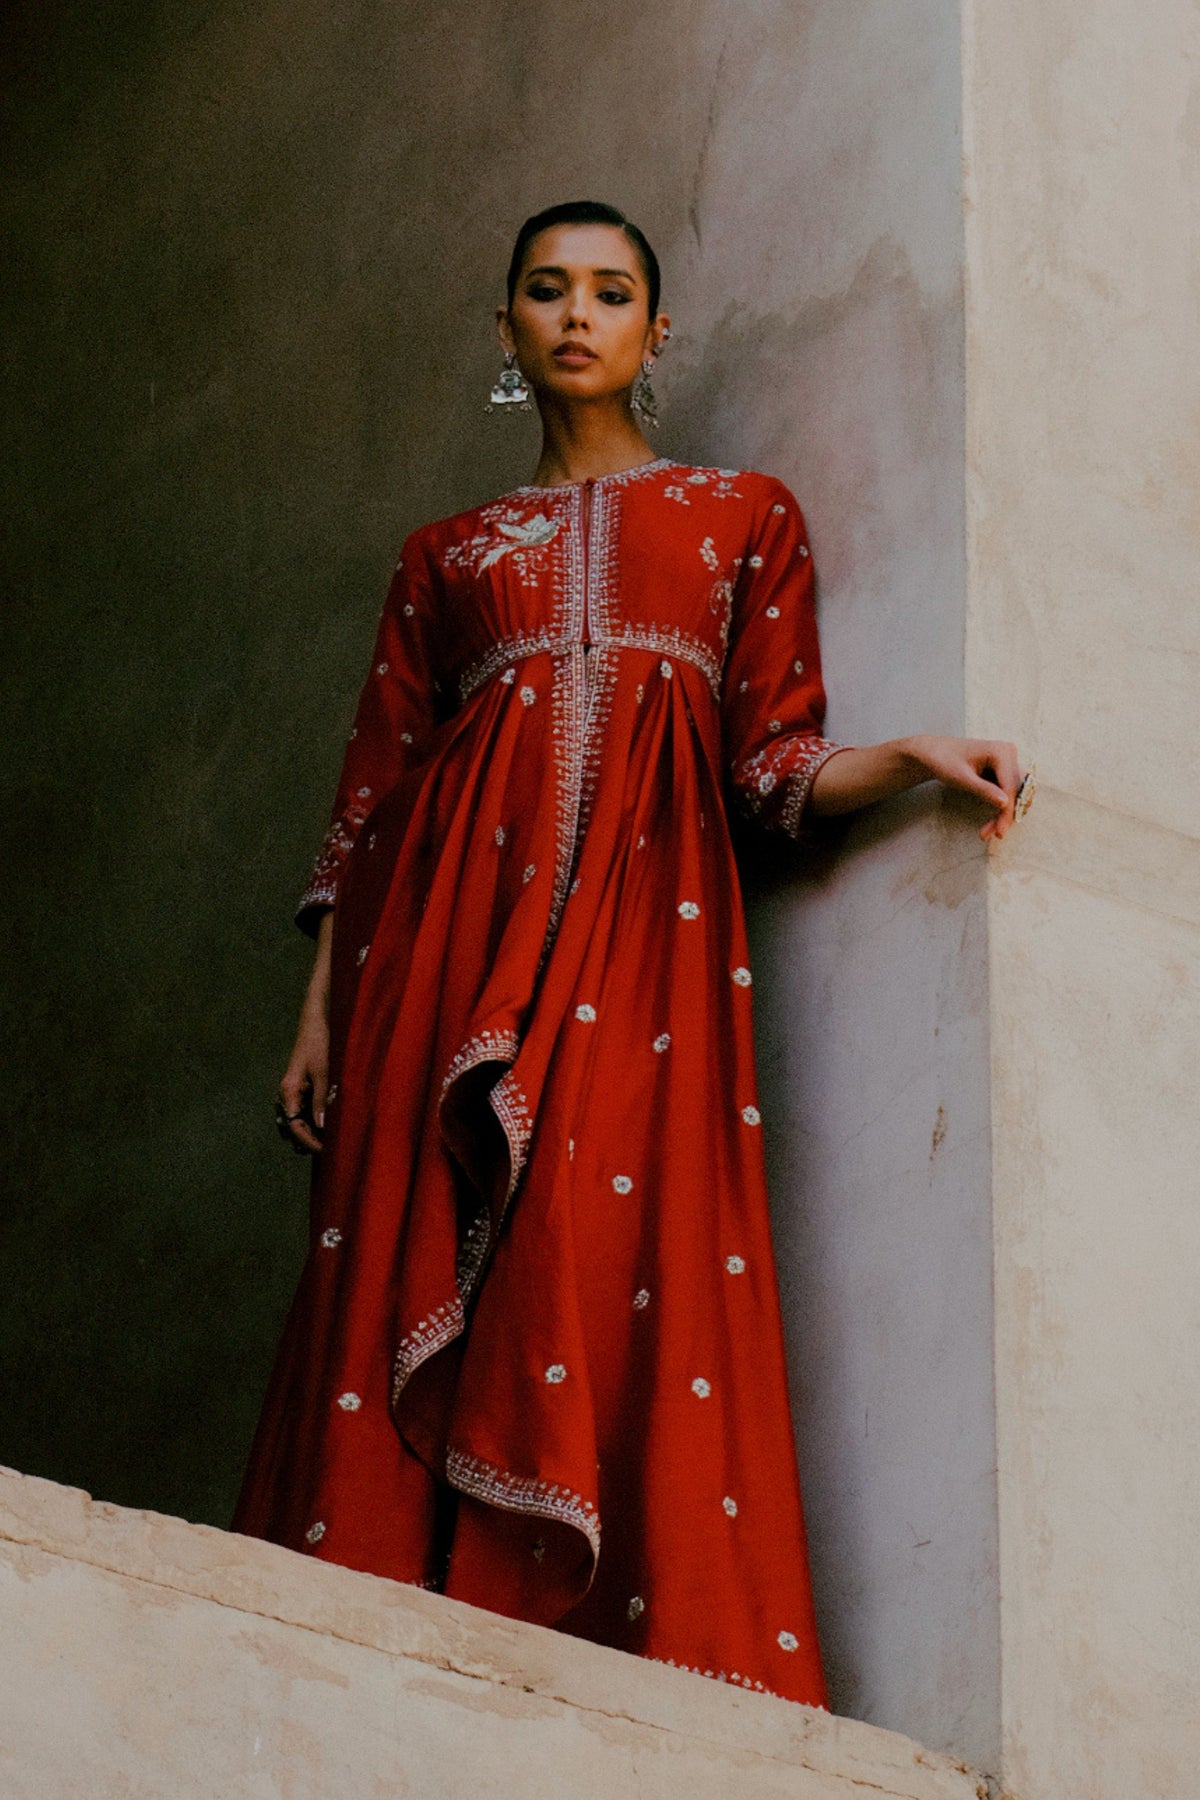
(504, 329)
(657, 333)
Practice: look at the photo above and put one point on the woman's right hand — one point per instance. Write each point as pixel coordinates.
(305, 1083)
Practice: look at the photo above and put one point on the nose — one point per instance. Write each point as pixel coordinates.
(576, 314)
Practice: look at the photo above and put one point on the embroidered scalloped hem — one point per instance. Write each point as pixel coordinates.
(733, 1678)
(523, 1494)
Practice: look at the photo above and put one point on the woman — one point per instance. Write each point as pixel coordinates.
(535, 1360)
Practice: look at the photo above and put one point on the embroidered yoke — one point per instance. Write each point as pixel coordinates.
(540, 1273)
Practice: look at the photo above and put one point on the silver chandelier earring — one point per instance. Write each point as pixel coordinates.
(511, 391)
(643, 398)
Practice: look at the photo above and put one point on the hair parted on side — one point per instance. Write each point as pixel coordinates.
(586, 212)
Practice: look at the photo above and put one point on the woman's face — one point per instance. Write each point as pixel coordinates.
(579, 317)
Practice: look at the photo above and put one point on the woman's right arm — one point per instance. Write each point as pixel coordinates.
(305, 1081)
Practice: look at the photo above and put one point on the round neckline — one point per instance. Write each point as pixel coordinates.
(561, 487)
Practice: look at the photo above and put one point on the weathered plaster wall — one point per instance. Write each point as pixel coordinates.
(1083, 158)
(145, 1656)
(256, 251)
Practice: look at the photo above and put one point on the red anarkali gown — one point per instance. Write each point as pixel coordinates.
(540, 1276)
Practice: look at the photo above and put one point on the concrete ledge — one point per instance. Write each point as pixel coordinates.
(146, 1656)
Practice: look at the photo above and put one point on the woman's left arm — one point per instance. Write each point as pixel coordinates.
(985, 767)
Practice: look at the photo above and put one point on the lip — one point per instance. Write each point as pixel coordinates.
(574, 356)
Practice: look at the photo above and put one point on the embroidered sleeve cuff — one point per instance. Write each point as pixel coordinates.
(800, 780)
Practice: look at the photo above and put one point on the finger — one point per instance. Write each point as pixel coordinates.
(320, 1093)
(304, 1138)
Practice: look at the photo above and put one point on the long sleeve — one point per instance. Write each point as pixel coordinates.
(773, 698)
(396, 713)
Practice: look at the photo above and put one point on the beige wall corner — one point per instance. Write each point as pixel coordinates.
(1083, 395)
(144, 1655)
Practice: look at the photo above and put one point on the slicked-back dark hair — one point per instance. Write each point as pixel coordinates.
(586, 212)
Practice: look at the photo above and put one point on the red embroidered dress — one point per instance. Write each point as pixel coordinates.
(540, 1273)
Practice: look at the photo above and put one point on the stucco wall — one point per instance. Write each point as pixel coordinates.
(1084, 395)
(258, 249)
(146, 1656)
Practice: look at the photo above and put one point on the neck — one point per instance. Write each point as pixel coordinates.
(583, 441)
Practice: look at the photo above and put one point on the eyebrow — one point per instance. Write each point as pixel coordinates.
(549, 269)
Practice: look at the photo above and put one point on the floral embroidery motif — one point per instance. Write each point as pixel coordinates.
(775, 725)
(756, 562)
(585, 1013)
(742, 976)
(499, 834)
(772, 612)
(441, 1327)
(701, 1387)
(363, 793)
(641, 1299)
(751, 1115)
(506, 533)
(509, 676)
(665, 669)
(708, 554)
(662, 1041)
(777, 508)
(636, 1607)
(382, 669)
(803, 550)
(687, 909)
(316, 1532)
(528, 696)
(736, 1265)
(798, 666)
(362, 955)
(622, 1184)
(730, 1506)
(331, 1237)
(788, 1640)
(794, 760)
(530, 872)
(349, 1402)
(556, 1373)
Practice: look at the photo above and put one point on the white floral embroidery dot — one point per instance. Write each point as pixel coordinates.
(316, 1532)
(331, 1237)
(408, 611)
(687, 909)
(528, 695)
(777, 508)
(751, 1115)
(641, 841)
(382, 669)
(730, 1506)
(756, 562)
(742, 976)
(349, 1402)
(499, 834)
(586, 1013)
(641, 1299)
(556, 1373)
(509, 675)
(735, 1264)
(788, 1640)
(371, 841)
(641, 693)
(798, 666)
(742, 686)
(362, 955)
(622, 1184)
(530, 872)
(701, 1387)
(636, 1607)
(774, 725)
(803, 550)
(571, 1147)
(664, 668)
(363, 792)
(662, 1041)
(772, 612)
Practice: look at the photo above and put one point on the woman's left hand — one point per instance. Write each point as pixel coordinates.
(985, 767)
